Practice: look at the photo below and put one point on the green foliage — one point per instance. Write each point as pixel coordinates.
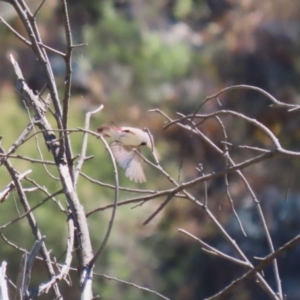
(153, 60)
(159, 61)
(116, 38)
(183, 8)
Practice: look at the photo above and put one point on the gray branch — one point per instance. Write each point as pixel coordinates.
(82, 232)
(3, 283)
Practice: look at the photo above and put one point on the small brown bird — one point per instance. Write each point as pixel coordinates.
(125, 141)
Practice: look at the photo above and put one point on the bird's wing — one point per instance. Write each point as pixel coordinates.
(128, 160)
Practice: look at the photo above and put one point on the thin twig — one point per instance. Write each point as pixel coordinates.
(215, 251)
(264, 263)
(133, 284)
(115, 204)
(20, 140)
(111, 186)
(261, 280)
(160, 208)
(30, 159)
(227, 161)
(134, 200)
(44, 190)
(63, 55)
(275, 102)
(10, 243)
(79, 45)
(30, 210)
(44, 287)
(260, 212)
(18, 35)
(5, 193)
(84, 142)
(38, 9)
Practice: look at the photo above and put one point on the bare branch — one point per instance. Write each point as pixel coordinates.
(18, 35)
(215, 251)
(227, 156)
(84, 142)
(63, 55)
(5, 193)
(29, 264)
(82, 235)
(79, 45)
(32, 160)
(44, 190)
(275, 102)
(264, 263)
(68, 81)
(133, 284)
(20, 290)
(20, 140)
(44, 288)
(33, 33)
(5, 239)
(228, 162)
(30, 210)
(28, 43)
(160, 208)
(31, 219)
(3, 285)
(68, 60)
(110, 186)
(137, 200)
(104, 242)
(38, 9)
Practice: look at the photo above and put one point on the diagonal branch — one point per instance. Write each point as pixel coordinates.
(35, 230)
(5, 193)
(134, 285)
(160, 208)
(264, 263)
(20, 140)
(30, 210)
(215, 251)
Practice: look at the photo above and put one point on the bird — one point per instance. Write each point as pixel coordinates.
(125, 140)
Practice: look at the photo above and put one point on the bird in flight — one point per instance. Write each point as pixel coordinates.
(125, 140)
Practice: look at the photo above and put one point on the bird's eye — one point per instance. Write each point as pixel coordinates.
(125, 130)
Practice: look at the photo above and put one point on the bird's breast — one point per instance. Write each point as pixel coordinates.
(130, 139)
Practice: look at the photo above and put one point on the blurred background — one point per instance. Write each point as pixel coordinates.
(169, 55)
